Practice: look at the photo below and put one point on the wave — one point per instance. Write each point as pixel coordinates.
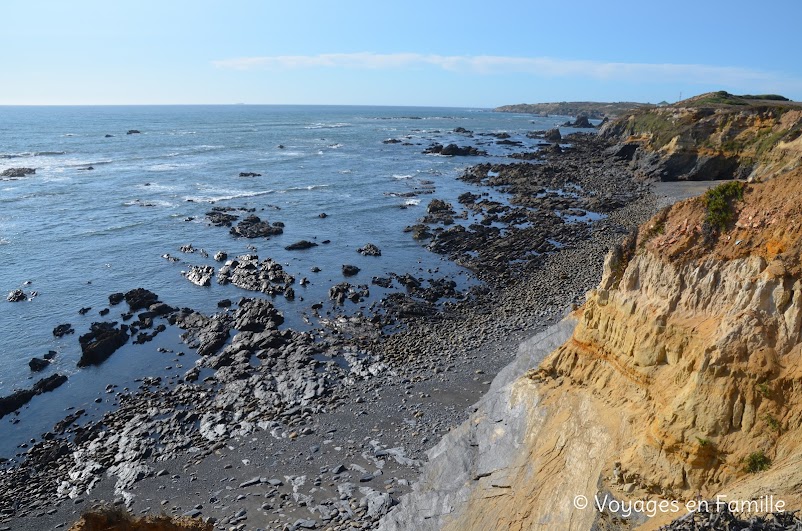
(396, 176)
(4, 241)
(28, 154)
(320, 125)
(336, 146)
(232, 195)
(412, 202)
(150, 203)
(84, 164)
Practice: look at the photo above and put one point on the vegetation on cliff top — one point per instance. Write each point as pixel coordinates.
(591, 109)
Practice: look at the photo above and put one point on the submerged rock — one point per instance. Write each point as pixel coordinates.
(300, 245)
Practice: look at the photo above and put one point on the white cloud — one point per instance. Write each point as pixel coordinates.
(494, 64)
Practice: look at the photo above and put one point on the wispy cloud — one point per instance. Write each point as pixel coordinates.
(494, 64)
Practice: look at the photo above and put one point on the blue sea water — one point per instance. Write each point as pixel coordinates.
(78, 235)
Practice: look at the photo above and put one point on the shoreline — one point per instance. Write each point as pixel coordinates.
(456, 356)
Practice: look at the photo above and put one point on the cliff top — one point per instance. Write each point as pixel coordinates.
(723, 99)
(591, 109)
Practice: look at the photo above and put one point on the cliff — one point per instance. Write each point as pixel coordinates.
(711, 136)
(681, 380)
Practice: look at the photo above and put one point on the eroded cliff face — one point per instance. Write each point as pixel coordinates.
(691, 142)
(683, 363)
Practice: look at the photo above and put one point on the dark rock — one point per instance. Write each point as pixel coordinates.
(108, 136)
(438, 205)
(254, 227)
(369, 250)
(221, 219)
(38, 364)
(256, 315)
(248, 273)
(249, 174)
(220, 256)
(391, 141)
(322, 215)
(18, 399)
(116, 298)
(159, 309)
(225, 303)
(101, 342)
(299, 245)
(63, 329)
(132, 132)
(350, 270)
(553, 135)
(463, 131)
(50, 355)
(18, 172)
(452, 150)
(206, 334)
(140, 298)
(383, 282)
(84, 311)
(581, 122)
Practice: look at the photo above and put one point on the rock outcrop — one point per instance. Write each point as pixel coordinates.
(709, 137)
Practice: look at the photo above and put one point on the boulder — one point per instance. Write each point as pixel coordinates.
(132, 132)
(38, 364)
(350, 270)
(249, 174)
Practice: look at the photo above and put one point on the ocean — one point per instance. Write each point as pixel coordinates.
(74, 235)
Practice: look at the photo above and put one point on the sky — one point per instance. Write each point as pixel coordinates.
(429, 53)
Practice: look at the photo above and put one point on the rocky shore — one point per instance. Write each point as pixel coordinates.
(276, 428)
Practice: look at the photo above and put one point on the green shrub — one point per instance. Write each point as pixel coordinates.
(757, 462)
(718, 202)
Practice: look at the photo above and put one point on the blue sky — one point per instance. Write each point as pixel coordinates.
(466, 54)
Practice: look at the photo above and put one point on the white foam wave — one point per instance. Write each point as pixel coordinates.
(321, 125)
(336, 146)
(396, 176)
(412, 202)
(226, 196)
(150, 203)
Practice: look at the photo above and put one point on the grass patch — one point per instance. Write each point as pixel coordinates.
(772, 423)
(757, 462)
(719, 203)
(703, 442)
(763, 389)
